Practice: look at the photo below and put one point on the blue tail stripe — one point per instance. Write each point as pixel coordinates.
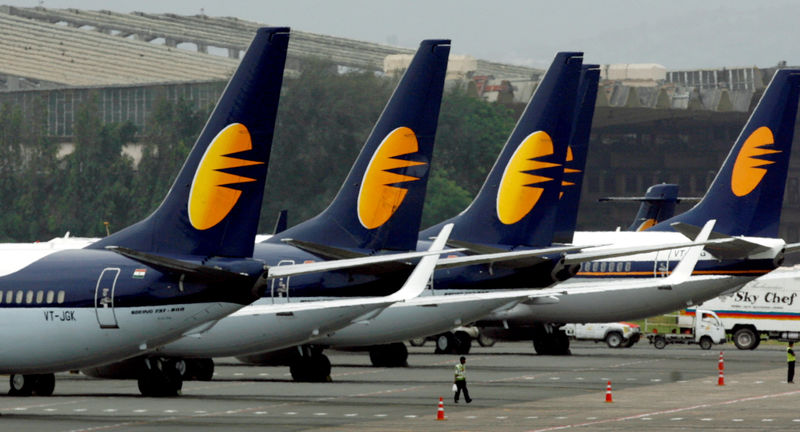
(415, 105)
(251, 99)
(567, 216)
(550, 110)
(757, 212)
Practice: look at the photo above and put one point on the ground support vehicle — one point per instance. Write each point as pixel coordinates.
(706, 330)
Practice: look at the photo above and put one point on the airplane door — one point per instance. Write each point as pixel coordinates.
(280, 286)
(661, 264)
(104, 298)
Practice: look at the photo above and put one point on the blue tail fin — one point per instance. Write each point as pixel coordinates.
(380, 203)
(516, 204)
(747, 195)
(657, 205)
(575, 164)
(213, 207)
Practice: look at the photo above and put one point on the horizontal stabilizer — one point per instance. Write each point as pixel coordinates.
(172, 265)
(734, 248)
(324, 251)
(792, 247)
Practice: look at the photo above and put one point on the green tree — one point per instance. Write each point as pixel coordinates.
(172, 130)
(98, 177)
(323, 120)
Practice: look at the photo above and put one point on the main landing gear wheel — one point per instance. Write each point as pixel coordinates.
(453, 343)
(314, 368)
(28, 385)
(549, 340)
(162, 378)
(199, 369)
(391, 355)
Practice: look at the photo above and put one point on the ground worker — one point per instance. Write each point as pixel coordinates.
(790, 363)
(461, 380)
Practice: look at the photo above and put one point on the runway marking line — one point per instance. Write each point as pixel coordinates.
(670, 411)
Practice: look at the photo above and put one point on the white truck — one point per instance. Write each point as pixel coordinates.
(615, 335)
(705, 330)
(766, 308)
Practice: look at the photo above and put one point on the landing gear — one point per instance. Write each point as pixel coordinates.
(549, 340)
(310, 365)
(199, 370)
(391, 355)
(459, 342)
(29, 385)
(162, 377)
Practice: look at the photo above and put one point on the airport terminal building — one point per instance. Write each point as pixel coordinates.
(646, 116)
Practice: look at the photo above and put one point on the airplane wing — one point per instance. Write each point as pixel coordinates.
(523, 258)
(412, 288)
(680, 274)
(304, 268)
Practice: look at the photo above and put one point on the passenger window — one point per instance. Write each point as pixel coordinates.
(9, 297)
(19, 297)
(628, 266)
(620, 266)
(50, 296)
(60, 297)
(595, 266)
(603, 266)
(39, 296)
(29, 297)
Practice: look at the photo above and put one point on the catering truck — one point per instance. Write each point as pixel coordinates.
(704, 328)
(766, 308)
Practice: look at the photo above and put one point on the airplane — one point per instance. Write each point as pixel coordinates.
(621, 300)
(658, 205)
(384, 333)
(745, 198)
(396, 158)
(188, 263)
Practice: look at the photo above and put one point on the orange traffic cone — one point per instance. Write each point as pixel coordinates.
(721, 379)
(721, 362)
(608, 393)
(440, 413)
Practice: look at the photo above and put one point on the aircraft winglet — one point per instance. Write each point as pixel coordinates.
(685, 267)
(418, 280)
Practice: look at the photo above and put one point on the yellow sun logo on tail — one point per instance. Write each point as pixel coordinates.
(378, 199)
(567, 170)
(747, 170)
(517, 196)
(210, 200)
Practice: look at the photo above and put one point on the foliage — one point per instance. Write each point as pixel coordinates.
(323, 120)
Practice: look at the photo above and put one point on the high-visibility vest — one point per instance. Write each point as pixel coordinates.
(789, 354)
(460, 371)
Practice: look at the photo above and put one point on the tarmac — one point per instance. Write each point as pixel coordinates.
(513, 390)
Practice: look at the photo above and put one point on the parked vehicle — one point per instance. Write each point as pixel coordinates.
(706, 330)
(766, 308)
(615, 335)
